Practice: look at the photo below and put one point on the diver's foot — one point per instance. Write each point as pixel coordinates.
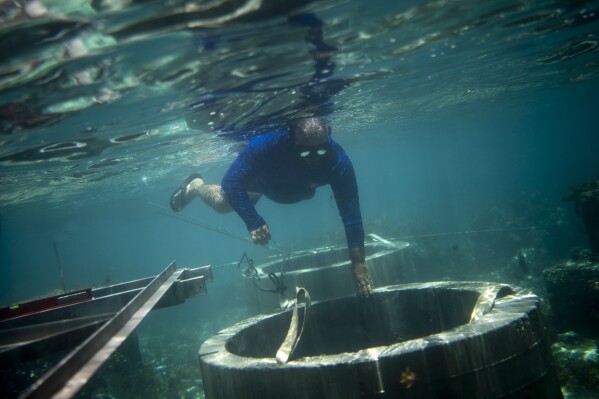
(180, 197)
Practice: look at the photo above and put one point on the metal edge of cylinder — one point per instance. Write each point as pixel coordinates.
(515, 317)
(496, 319)
(264, 269)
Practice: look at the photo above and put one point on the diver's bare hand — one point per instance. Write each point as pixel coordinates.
(261, 235)
(362, 279)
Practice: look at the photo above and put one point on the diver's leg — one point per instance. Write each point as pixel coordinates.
(213, 195)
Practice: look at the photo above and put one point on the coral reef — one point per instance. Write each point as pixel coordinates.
(573, 291)
(577, 361)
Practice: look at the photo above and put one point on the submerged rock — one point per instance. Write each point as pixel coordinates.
(577, 361)
(586, 205)
(573, 291)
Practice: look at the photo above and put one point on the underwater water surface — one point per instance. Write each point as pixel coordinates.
(467, 123)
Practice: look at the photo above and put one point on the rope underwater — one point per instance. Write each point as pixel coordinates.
(278, 281)
(217, 229)
(470, 232)
(251, 271)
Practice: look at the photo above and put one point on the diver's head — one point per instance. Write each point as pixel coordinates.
(311, 138)
(310, 131)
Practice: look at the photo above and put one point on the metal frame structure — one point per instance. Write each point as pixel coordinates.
(93, 323)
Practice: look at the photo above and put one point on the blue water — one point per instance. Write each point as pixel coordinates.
(436, 171)
(462, 116)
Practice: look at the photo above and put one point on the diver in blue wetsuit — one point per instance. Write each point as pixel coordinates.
(287, 166)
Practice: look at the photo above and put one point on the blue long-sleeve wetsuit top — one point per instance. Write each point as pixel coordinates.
(271, 165)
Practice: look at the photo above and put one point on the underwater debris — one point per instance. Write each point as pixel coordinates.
(524, 264)
(408, 378)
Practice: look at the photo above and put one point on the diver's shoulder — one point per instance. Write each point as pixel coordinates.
(270, 137)
(337, 149)
(267, 143)
(339, 160)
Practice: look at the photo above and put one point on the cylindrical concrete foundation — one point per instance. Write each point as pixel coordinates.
(326, 273)
(412, 341)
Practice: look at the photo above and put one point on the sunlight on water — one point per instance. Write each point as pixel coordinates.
(86, 72)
